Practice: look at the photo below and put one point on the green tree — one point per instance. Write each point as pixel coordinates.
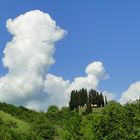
(73, 100)
(53, 109)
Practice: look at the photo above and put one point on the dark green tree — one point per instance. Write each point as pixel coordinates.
(106, 102)
(73, 102)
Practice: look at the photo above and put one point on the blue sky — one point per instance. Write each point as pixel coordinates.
(107, 31)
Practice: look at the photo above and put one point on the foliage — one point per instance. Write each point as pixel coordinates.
(112, 122)
(53, 109)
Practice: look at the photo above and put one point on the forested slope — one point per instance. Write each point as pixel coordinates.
(112, 122)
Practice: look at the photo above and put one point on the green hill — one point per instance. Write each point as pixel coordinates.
(13, 122)
(112, 122)
(12, 127)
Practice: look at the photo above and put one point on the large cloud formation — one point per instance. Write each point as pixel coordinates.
(28, 57)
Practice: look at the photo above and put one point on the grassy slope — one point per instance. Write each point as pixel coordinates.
(94, 110)
(97, 110)
(21, 125)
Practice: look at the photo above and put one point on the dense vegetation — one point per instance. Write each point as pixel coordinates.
(111, 122)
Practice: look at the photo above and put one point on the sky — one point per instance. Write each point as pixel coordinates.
(94, 44)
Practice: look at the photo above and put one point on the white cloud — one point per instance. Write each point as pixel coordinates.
(131, 94)
(28, 55)
(58, 89)
(96, 69)
(34, 104)
(109, 95)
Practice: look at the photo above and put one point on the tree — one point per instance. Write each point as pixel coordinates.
(106, 101)
(101, 100)
(81, 97)
(96, 98)
(78, 98)
(52, 109)
(44, 129)
(72, 103)
(84, 97)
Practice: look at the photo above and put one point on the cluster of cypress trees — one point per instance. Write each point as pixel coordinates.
(78, 98)
(82, 97)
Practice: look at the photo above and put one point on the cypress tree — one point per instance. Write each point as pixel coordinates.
(106, 102)
(101, 100)
(81, 97)
(73, 100)
(84, 97)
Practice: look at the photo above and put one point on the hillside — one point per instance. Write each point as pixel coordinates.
(13, 122)
(112, 122)
(13, 128)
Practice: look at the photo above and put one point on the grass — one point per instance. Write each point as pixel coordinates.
(20, 125)
(97, 110)
(94, 110)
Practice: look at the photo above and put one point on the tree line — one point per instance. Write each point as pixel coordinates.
(83, 97)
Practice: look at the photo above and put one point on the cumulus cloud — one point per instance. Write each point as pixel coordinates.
(58, 89)
(96, 69)
(131, 94)
(95, 72)
(28, 55)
